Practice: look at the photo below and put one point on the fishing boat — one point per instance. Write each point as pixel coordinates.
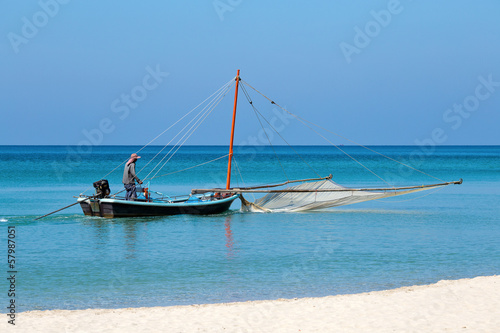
(289, 196)
(146, 204)
(119, 207)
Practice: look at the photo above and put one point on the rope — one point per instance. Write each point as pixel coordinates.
(191, 130)
(203, 113)
(374, 151)
(364, 166)
(342, 189)
(88, 188)
(300, 119)
(195, 166)
(239, 172)
(226, 85)
(201, 120)
(282, 138)
(264, 130)
(419, 197)
(229, 83)
(286, 183)
(178, 145)
(241, 176)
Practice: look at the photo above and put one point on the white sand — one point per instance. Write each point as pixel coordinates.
(467, 305)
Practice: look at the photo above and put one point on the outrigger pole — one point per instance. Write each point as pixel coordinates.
(258, 189)
(228, 182)
(61, 209)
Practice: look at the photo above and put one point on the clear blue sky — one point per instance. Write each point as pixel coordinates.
(63, 64)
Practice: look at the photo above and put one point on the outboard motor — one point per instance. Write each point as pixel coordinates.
(102, 188)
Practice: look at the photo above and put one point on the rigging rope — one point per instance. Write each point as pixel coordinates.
(282, 138)
(364, 166)
(263, 129)
(88, 188)
(199, 121)
(201, 116)
(304, 120)
(228, 84)
(195, 166)
(411, 199)
(178, 147)
(241, 176)
(374, 151)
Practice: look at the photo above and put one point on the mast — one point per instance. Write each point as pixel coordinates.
(228, 181)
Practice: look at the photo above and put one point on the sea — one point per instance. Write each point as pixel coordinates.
(70, 261)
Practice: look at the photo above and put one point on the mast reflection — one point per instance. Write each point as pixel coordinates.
(229, 238)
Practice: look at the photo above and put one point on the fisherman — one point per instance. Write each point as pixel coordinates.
(129, 177)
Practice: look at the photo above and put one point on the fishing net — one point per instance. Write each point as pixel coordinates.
(317, 195)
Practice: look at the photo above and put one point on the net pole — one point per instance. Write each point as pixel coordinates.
(228, 181)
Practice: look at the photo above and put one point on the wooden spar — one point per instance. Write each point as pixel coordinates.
(345, 189)
(286, 183)
(228, 181)
(60, 209)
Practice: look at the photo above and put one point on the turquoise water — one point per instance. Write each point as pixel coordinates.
(69, 261)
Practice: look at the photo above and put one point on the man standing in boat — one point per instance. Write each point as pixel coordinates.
(129, 177)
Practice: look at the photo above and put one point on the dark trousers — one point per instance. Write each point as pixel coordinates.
(131, 194)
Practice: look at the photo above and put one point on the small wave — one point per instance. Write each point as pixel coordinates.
(3, 220)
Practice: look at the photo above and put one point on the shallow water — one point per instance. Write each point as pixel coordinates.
(70, 261)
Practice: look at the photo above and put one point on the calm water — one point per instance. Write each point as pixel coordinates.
(69, 261)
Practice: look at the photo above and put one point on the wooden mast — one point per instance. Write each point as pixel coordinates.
(228, 181)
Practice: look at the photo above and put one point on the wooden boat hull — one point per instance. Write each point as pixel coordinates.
(110, 208)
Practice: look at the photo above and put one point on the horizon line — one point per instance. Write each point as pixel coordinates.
(218, 145)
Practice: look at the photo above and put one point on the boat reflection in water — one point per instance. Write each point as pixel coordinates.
(229, 238)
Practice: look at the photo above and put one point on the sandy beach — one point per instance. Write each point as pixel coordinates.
(466, 305)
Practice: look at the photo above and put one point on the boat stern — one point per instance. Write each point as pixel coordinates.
(90, 206)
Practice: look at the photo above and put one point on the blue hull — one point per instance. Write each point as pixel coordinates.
(122, 208)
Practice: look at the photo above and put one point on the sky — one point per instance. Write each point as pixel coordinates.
(377, 72)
